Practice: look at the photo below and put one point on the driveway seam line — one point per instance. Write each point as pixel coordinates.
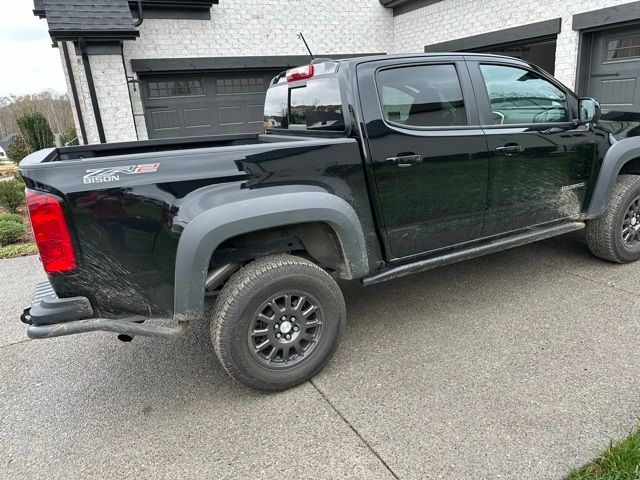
(354, 430)
(15, 343)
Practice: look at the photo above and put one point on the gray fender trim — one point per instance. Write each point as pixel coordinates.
(620, 153)
(209, 229)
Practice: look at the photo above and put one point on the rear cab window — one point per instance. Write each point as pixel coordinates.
(311, 105)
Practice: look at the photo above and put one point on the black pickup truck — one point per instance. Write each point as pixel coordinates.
(369, 169)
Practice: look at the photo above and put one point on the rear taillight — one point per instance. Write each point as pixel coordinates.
(50, 232)
(300, 73)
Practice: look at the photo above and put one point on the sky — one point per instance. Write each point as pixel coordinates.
(29, 64)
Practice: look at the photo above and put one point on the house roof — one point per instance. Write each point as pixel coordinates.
(403, 6)
(396, 3)
(176, 3)
(90, 19)
(4, 143)
(104, 20)
(38, 7)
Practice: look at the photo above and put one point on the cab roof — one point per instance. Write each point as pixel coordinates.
(374, 58)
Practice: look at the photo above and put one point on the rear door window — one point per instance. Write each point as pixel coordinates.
(422, 96)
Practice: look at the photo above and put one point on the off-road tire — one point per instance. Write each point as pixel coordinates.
(235, 313)
(604, 234)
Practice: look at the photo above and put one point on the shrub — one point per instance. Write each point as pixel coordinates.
(69, 137)
(17, 149)
(36, 131)
(11, 195)
(11, 217)
(11, 232)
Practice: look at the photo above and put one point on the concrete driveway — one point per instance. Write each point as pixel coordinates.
(516, 365)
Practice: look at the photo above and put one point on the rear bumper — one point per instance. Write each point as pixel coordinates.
(50, 316)
(48, 309)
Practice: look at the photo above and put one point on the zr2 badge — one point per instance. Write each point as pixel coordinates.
(104, 175)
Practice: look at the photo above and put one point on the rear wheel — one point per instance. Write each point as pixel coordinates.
(277, 322)
(615, 235)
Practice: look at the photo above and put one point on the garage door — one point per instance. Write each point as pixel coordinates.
(192, 105)
(542, 54)
(614, 77)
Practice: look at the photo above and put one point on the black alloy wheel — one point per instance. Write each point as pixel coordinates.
(631, 225)
(286, 329)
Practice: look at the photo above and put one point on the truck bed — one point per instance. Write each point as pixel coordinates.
(101, 150)
(127, 204)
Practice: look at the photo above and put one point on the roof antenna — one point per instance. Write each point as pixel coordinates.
(306, 45)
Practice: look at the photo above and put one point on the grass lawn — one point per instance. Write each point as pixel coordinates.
(621, 461)
(18, 250)
(7, 169)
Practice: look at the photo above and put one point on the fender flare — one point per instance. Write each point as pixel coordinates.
(209, 229)
(616, 157)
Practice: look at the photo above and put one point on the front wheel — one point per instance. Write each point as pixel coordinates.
(277, 322)
(615, 235)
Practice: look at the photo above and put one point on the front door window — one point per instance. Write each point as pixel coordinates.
(521, 97)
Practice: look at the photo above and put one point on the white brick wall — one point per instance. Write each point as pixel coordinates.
(112, 93)
(453, 19)
(270, 27)
(67, 76)
(113, 97)
(83, 95)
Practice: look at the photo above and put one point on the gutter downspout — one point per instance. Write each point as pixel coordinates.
(126, 78)
(92, 89)
(74, 92)
(140, 15)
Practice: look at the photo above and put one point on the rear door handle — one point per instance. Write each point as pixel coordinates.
(405, 160)
(510, 150)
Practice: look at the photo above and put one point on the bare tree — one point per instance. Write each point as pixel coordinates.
(54, 106)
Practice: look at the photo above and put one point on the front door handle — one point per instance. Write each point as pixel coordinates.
(510, 150)
(404, 161)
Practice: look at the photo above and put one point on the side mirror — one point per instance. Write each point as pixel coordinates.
(589, 110)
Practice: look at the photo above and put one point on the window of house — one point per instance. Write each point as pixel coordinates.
(623, 48)
(422, 96)
(230, 86)
(519, 96)
(175, 88)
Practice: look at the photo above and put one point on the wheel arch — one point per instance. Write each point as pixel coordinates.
(622, 157)
(316, 240)
(207, 231)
